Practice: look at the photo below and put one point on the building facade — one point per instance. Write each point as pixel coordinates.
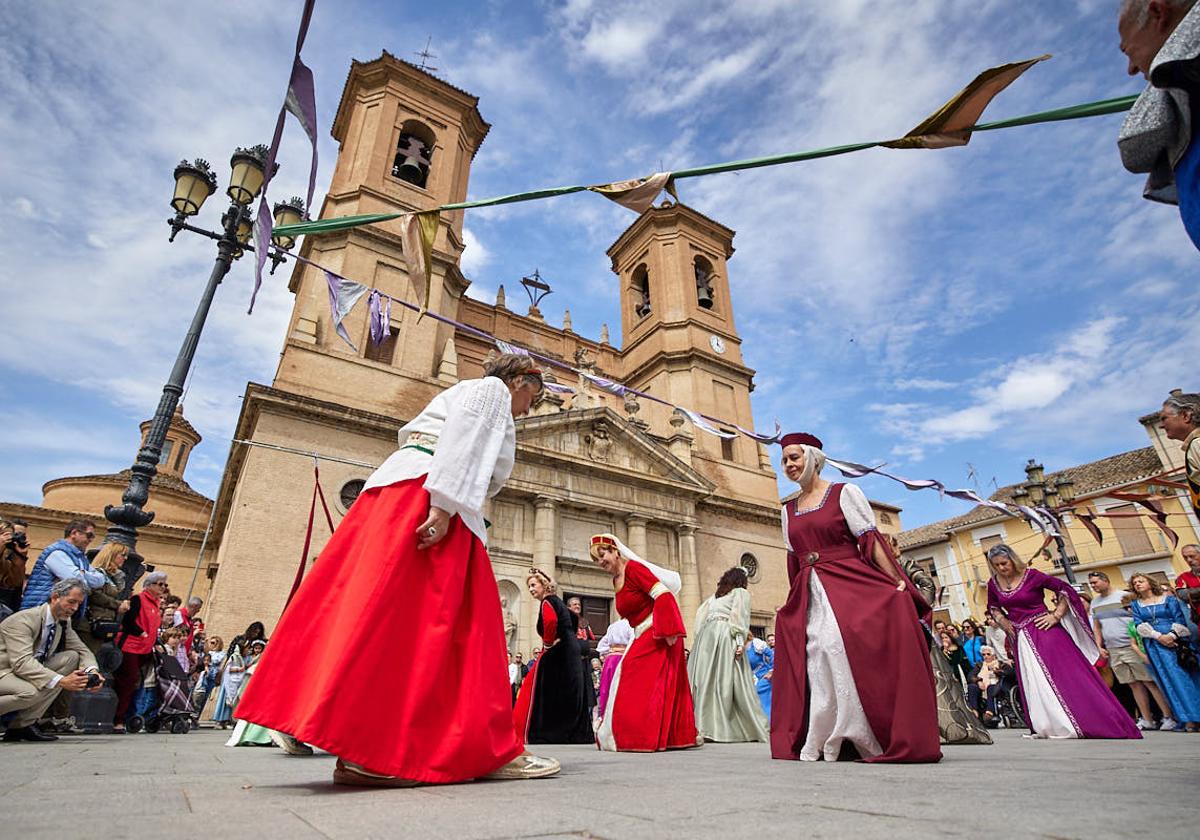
(953, 549)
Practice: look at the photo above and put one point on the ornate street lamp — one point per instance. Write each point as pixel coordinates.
(194, 183)
(1050, 495)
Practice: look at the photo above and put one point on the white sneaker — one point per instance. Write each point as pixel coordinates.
(1145, 725)
(1168, 725)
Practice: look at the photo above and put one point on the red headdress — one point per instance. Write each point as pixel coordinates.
(801, 438)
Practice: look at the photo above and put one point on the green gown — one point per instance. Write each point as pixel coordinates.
(727, 705)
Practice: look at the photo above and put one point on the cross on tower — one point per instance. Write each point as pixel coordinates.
(425, 55)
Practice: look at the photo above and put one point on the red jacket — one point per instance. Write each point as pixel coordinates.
(139, 626)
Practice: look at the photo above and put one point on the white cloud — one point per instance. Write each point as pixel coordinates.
(921, 384)
(475, 255)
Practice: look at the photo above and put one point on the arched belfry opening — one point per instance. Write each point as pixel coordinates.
(703, 270)
(641, 290)
(414, 153)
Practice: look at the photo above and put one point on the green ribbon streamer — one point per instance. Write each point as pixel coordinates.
(1072, 112)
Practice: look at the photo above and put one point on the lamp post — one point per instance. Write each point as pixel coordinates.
(194, 183)
(1052, 495)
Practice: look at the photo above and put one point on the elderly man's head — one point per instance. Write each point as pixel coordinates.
(1144, 26)
(66, 596)
(156, 584)
(1191, 556)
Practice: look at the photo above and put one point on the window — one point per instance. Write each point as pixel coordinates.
(1131, 532)
(414, 154)
(165, 458)
(727, 450)
(179, 456)
(885, 518)
(384, 350)
(704, 277)
(750, 563)
(641, 291)
(349, 492)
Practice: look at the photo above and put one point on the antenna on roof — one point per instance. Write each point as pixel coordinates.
(425, 55)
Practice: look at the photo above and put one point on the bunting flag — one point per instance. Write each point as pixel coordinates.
(1088, 520)
(639, 194)
(343, 294)
(1157, 513)
(951, 124)
(699, 422)
(417, 232)
(300, 100)
(603, 384)
(772, 438)
(380, 307)
(505, 347)
(557, 388)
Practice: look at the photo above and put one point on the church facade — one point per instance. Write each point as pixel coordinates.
(586, 463)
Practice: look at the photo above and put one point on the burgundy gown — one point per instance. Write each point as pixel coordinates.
(873, 626)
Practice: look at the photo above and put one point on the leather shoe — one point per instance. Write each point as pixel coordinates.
(28, 733)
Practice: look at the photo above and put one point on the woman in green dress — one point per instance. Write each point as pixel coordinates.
(727, 705)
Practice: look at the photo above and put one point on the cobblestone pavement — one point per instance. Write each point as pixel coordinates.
(192, 786)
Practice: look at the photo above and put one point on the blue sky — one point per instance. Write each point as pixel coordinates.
(932, 309)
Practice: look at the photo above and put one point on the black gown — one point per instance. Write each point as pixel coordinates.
(552, 707)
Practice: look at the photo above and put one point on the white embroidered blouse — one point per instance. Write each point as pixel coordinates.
(464, 442)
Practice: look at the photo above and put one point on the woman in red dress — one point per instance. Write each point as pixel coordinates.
(852, 670)
(649, 704)
(349, 668)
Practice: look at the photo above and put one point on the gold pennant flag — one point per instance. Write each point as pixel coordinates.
(418, 232)
(637, 194)
(951, 124)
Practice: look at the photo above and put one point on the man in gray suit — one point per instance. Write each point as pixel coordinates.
(41, 655)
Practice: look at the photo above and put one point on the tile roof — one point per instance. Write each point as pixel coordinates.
(1124, 468)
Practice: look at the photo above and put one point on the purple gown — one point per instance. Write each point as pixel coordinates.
(1063, 693)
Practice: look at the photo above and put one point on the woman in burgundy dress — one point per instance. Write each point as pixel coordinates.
(852, 672)
(649, 702)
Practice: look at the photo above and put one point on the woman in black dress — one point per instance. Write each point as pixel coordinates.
(552, 705)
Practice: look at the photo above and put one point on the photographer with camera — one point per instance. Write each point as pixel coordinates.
(40, 656)
(14, 557)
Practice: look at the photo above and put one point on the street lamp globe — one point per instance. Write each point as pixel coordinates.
(287, 213)
(194, 182)
(249, 166)
(1066, 490)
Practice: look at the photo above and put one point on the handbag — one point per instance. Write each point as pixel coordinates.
(105, 630)
(1186, 656)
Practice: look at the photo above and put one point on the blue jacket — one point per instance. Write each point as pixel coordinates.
(37, 590)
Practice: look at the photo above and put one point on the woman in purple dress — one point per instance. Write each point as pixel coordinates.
(1064, 695)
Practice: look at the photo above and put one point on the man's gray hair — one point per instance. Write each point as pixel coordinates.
(1141, 8)
(153, 578)
(1189, 545)
(194, 603)
(1189, 403)
(64, 587)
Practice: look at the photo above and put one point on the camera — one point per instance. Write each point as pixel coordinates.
(93, 680)
(20, 540)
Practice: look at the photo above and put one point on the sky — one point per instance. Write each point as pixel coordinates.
(951, 313)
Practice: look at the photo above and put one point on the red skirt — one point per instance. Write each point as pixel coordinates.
(650, 698)
(392, 657)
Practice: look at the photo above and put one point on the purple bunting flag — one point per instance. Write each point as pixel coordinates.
(763, 438)
(380, 316)
(505, 347)
(343, 294)
(301, 100)
(603, 384)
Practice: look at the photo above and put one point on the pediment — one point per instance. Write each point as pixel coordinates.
(598, 440)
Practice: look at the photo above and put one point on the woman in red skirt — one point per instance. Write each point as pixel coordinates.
(406, 572)
(649, 704)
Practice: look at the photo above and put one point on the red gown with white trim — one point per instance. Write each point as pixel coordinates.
(649, 700)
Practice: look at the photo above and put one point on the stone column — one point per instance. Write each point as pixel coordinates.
(545, 533)
(636, 538)
(689, 571)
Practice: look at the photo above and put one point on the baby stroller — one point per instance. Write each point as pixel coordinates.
(174, 712)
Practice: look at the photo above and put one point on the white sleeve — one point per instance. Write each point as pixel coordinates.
(857, 510)
(787, 538)
(477, 425)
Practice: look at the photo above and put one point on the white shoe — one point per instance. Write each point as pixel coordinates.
(526, 766)
(1145, 725)
(289, 744)
(1168, 725)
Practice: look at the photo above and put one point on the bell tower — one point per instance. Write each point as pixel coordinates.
(406, 142)
(679, 338)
